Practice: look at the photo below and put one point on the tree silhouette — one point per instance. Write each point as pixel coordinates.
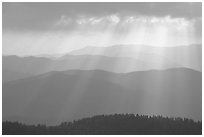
(116, 124)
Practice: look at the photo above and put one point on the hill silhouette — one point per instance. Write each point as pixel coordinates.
(115, 124)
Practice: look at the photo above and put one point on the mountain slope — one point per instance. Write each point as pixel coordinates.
(58, 96)
(8, 75)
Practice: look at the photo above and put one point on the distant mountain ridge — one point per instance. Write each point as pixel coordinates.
(29, 66)
(189, 56)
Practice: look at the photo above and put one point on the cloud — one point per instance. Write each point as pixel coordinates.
(93, 20)
(55, 27)
(64, 21)
(119, 22)
(78, 32)
(40, 16)
(114, 19)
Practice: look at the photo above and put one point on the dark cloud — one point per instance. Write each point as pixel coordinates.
(39, 16)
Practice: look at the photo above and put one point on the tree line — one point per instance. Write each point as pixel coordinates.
(115, 124)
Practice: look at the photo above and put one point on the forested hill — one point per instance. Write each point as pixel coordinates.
(116, 124)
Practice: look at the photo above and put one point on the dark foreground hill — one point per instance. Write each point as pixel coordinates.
(116, 124)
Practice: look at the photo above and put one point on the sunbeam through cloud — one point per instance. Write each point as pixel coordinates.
(104, 68)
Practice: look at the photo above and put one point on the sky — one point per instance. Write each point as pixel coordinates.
(56, 28)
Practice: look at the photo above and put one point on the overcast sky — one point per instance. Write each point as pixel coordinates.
(51, 28)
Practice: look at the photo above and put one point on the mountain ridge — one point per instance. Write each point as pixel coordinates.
(186, 56)
(30, 65)
(172, 92)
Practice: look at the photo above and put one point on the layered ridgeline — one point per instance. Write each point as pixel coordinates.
(108, 80)
(63, 96)
(116, 124)
(119, 59)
